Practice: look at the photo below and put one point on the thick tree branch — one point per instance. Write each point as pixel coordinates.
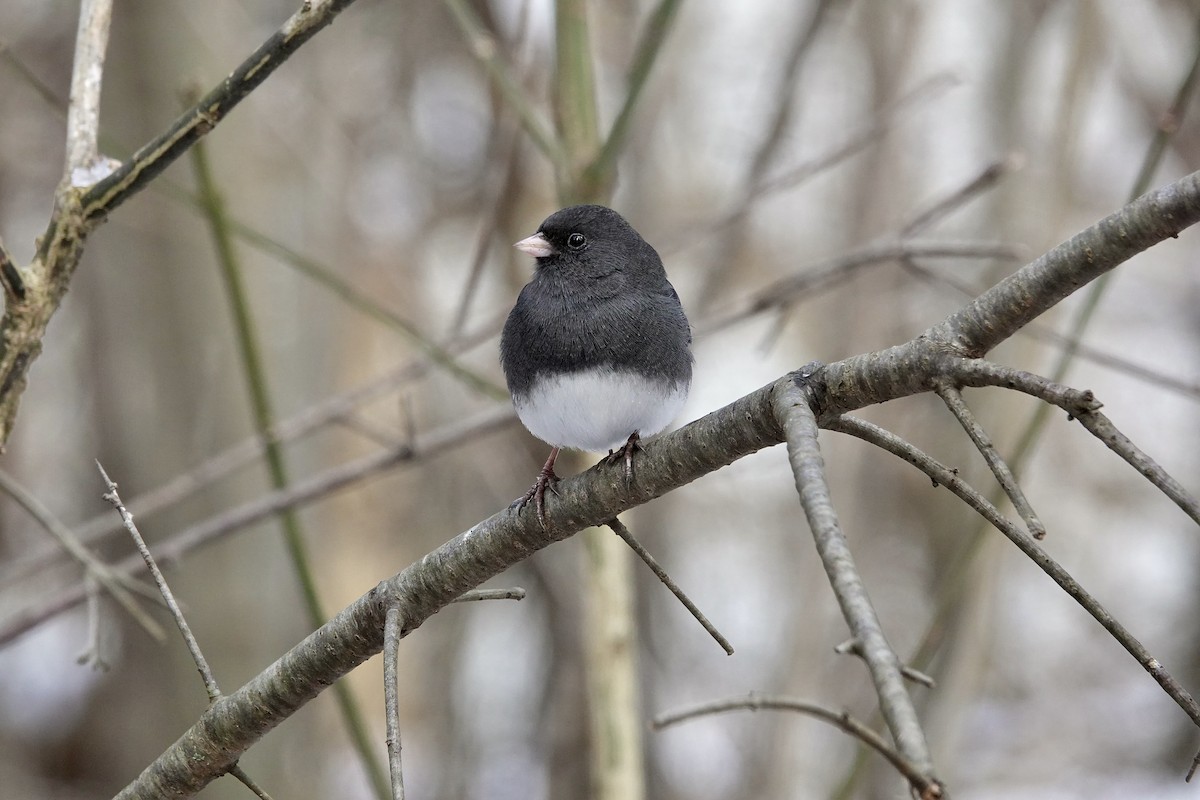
(1035, 288)
(1018, 299)
(225, 732)
(232, 725)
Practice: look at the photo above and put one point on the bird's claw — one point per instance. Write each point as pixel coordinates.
(546, 479)
(632, 445)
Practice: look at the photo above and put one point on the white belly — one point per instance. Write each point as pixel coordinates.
(598, 409)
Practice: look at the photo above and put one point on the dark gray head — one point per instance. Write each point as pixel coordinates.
(593, 243)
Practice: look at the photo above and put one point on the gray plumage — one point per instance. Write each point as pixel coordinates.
(599, 308)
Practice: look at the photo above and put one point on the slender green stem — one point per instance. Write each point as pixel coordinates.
(575, 103)
(323, 275)
(654, 34)
(483, 47)
(255, 375)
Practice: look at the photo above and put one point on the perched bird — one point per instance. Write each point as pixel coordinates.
(596, 350)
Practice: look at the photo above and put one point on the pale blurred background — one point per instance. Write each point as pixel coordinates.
(381, 152)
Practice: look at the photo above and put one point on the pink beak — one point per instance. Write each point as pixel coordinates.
(536, 246)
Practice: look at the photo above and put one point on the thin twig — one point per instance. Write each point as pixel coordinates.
(113, 582)
(332, 280)
(854, 143)
(515, 593)
(1086, 352)
(925, 787)
(206, 674)
(986, 179)
(620, 530)
(649, 46)
(942, 475)
(249, 450)
(792, 410)
(91, 653)
(1189, 389)
(1083, 406)
(483, 46)
(830, 272)
(1102, 428)
(248, 782)
(508, 143)
(14, 284)
(155, 156)
(391, 698)
(983, 443)
(733, 230)
(300, 493)
(854, 647)
(83, 110)
(980, 372)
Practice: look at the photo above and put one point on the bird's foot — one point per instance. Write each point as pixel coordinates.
(632, 445)
(537, 493)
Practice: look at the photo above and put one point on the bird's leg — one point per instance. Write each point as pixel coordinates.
(631, 446)
(537, 492)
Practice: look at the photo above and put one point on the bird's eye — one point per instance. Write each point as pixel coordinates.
(576, 241)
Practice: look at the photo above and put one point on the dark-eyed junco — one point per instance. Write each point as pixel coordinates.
(597, 349)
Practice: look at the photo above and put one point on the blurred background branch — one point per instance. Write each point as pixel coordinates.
(387, 156)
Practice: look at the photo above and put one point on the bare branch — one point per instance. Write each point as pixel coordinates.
(854, 647)
(1083, 406)
(923, 786)
(157, 155)
(978, 372)
(391, 698)
(515, 593)
(1031, 291)
(983, 443)
(10, 276)
(1103, 429)
(83, 111)
(650, 561)
(483, 46)
(248, 782)
(206, 673)
(986, 179)
(791, 408)
(830, 272)
(236, 722)
(111, 579)
(302, 492)
(944, 476)
(77, 212)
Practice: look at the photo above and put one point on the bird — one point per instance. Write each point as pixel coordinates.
(596, 351)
